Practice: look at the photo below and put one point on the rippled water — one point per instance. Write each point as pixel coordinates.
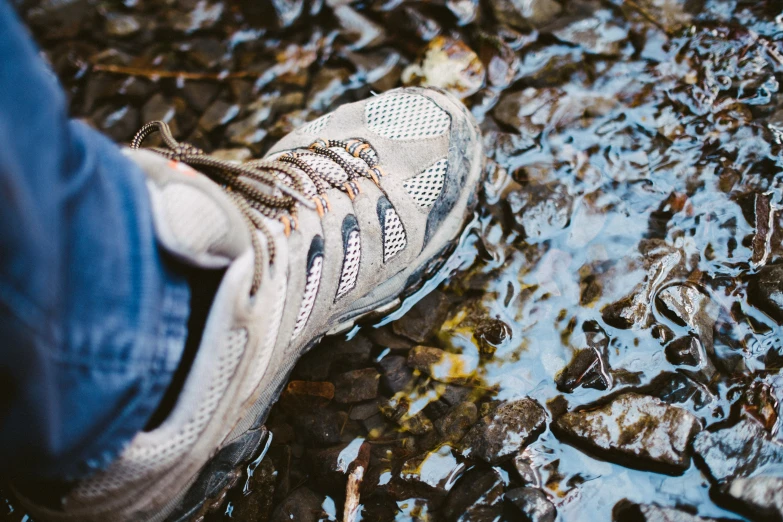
(630, 222)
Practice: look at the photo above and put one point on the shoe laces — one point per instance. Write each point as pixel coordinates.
(271, 188)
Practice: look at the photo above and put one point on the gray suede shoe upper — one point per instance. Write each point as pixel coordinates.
(391, 181)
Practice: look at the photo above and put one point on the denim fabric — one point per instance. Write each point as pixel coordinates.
(93, 319)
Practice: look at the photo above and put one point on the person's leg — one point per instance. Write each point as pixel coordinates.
(92, 318)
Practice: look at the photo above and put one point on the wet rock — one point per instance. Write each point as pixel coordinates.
(120, 124)
(200, 94)
(764, 236)
(411, 20)
(218, 114)
(532, 504)
(685, 305)
(206, 52)
(364, 410)
(308, 394)
(541, 211)
(203, 16)
(448, 64)
(328, 85)
(356, 386)
(318, 426)
(760, 497)
(502, 433)
(249, 131)
(160, 108)
(441, 365)
(765, 291)
(526, 111)
(491, 333)
(301, 505)
(627, 511)
(477, 496)
(500, 61)
(681, 388)
(424, 319)
(758, 401)
(386, 338)
(457, 421)
(58, 18)
(396, 376)
(360, 30)
(524, 14)
(524, 468)
(635, 429)
(588, 367)
(330, 466)
(737, 451)
(670, 14)
(122, 25)
(254, 501)
(596, 34)
(418, 424)
(684, 351)
(434, 472)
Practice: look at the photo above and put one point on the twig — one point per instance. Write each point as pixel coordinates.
(154, 73)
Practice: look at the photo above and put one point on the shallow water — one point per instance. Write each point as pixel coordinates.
(632, 200)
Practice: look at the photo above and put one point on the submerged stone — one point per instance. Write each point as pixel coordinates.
(627, 511)
(532, 504)
(477, 496)
(502, 433)
(448, 64)
(457, 421)
(636, 430)
(356, 385)
(737, 451)
(524, 14)
(435, 471)
(760, 497)
(301, 505)
(424, 319)
(441, 365)
(765, 291)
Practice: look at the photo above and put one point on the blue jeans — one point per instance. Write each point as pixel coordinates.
(93, 317)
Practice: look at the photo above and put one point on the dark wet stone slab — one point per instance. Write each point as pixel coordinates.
(737, 451)
(532, 505)
(442, 365)
(356, 385)
(634, 429)
(685, 351)
(627, 511)
(477, 496)
(396, 375)
(759, 497)
(499, 435)
(424, 319)
(589, 367)
(457, 421)
(526, 14)
(765, 291)
(302, 504)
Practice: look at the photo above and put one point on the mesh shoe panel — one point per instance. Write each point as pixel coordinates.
(350, 271)
(427, 186)
(406, 117)
(317, 125)
(140, 461)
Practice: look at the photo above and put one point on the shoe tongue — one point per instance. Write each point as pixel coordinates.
(193, 218)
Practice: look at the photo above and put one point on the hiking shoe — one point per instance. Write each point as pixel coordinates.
(336, 222)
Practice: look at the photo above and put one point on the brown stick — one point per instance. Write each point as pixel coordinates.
(153, 73)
